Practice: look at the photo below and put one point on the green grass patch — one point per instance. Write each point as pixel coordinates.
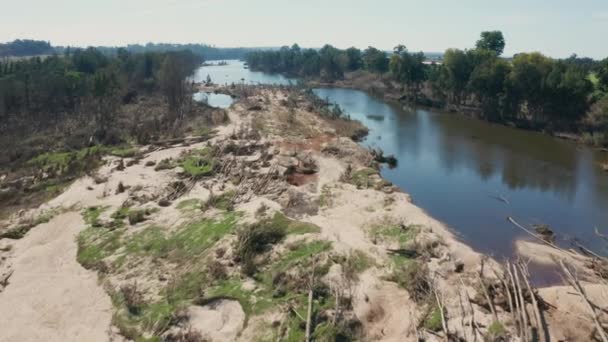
(190, 241)
(357, 262)
(96, 244)
(91, 215)
(292, 226)
(303, 251)
(361, 177)
(433, 320)
(496, 330)
(72, 163)
(199, 163)
(125, 152)
(393, 232)
(189, 205)
(222, 201)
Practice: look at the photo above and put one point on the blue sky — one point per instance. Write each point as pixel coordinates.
(555, 27)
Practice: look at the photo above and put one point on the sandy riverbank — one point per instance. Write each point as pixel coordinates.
(338, 191)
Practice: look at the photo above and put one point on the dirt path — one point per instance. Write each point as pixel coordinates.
(50, 297)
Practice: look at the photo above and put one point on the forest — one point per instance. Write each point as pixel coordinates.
(529, 90)
(85, 90)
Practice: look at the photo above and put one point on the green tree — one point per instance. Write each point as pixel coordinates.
(602, 75)
(354, 58)
(493, 41)
(375, 60)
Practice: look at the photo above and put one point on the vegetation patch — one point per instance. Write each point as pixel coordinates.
(25, 226)
(356, 263)
(199, 163)
(496, 331)
(184, 245)
(432, 321)
(96, 244)
(165, 164)
(189, 205)
(69, 163)
(389, 231)
(361, 178)
(222, 202)
(125, 152)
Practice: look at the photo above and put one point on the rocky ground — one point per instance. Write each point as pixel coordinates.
(274, 227)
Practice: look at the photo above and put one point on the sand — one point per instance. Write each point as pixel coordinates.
(50, 296)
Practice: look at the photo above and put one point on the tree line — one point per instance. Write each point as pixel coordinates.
(529, 89)
(90, 86)
(28, 47)
(25, 47)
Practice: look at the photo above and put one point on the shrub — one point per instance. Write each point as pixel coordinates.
(432, 321)
(255, 239)
(165, 164)
(414, 277)
(133, 298)
(216, 270)
(199, 163)
(136, 216)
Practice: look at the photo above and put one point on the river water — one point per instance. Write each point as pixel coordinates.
(464, 171)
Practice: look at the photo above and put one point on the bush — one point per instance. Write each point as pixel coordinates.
(133, 298)
(136, 216)
(414, 277)
(433, 320)
(255, 239)
(165, 164)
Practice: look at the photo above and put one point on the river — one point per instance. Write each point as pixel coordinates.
(471, 174)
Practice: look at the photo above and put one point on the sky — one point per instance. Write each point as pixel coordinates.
(556, 28)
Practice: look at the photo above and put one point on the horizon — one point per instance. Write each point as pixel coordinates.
(554, 28)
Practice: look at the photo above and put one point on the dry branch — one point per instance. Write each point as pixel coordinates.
(524, 313)
(540, 327)
(571, 278)
(310, 293)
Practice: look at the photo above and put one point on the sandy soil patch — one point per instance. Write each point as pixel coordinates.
(51, 297)
(221, 320)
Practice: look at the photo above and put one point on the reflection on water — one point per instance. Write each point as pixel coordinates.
(455, 168)
(213, 99)
(234, 72)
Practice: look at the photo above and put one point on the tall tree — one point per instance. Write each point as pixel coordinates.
(493, 41)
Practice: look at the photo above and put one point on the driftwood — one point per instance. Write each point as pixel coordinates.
(520, 327)
(600, 235)
(444, 324)
(486, 294)
(473, 323)
(540, 327)
(310, 293)
(524, 311)
(571, 278)
(509, 298)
